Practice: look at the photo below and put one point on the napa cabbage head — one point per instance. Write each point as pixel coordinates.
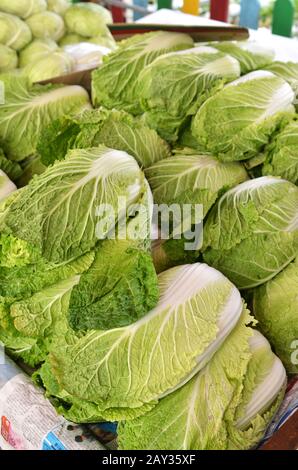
(36, 50)
(250, 55)
(30, 108)
(197, 310)
(46, 25)
(275, 307)
(87, 19)
(172, 88)
(8, 59)
(92, 178)
(58, 6)
(114, 84)
(105, 40)
(50, 65)
(107, 297)
(188, 178)
(251, 234)
(71, 38)
(286, 70)
(113, 128)
(23, 8)
(227, 405)
(238, 121)
(14, 32)
(42, 299)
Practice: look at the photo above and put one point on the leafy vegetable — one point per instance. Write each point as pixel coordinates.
(115, 129)
(193, 179)
(237, 122)
(114, 84)
(173, 86)
(71, 38)
(30, 167)
(12, 169)
(30, 108)
(204, 413)
(188, 178)
(23, 8)
(46, 25)
(84, 180)
(35, 292)
(263, 389)
(36, 50)
(87, 19)
(252, 233)
(282, 155)
(14, 32)
(41, 297)
(107, 297)
(8, 59)
(51, 65)
(250, 55)
(275, 307)
(22, 282)
(286, 70)
(198, 308)
(58, 6)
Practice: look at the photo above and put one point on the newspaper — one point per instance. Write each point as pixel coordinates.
(28, 421)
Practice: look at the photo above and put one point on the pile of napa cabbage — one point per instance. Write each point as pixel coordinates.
(43, 39)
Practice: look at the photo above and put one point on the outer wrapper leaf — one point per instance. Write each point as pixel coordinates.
(173, 86)
(114, 83)
(30, 108)
(237, 122)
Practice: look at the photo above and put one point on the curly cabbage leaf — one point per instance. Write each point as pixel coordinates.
(115, 129)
